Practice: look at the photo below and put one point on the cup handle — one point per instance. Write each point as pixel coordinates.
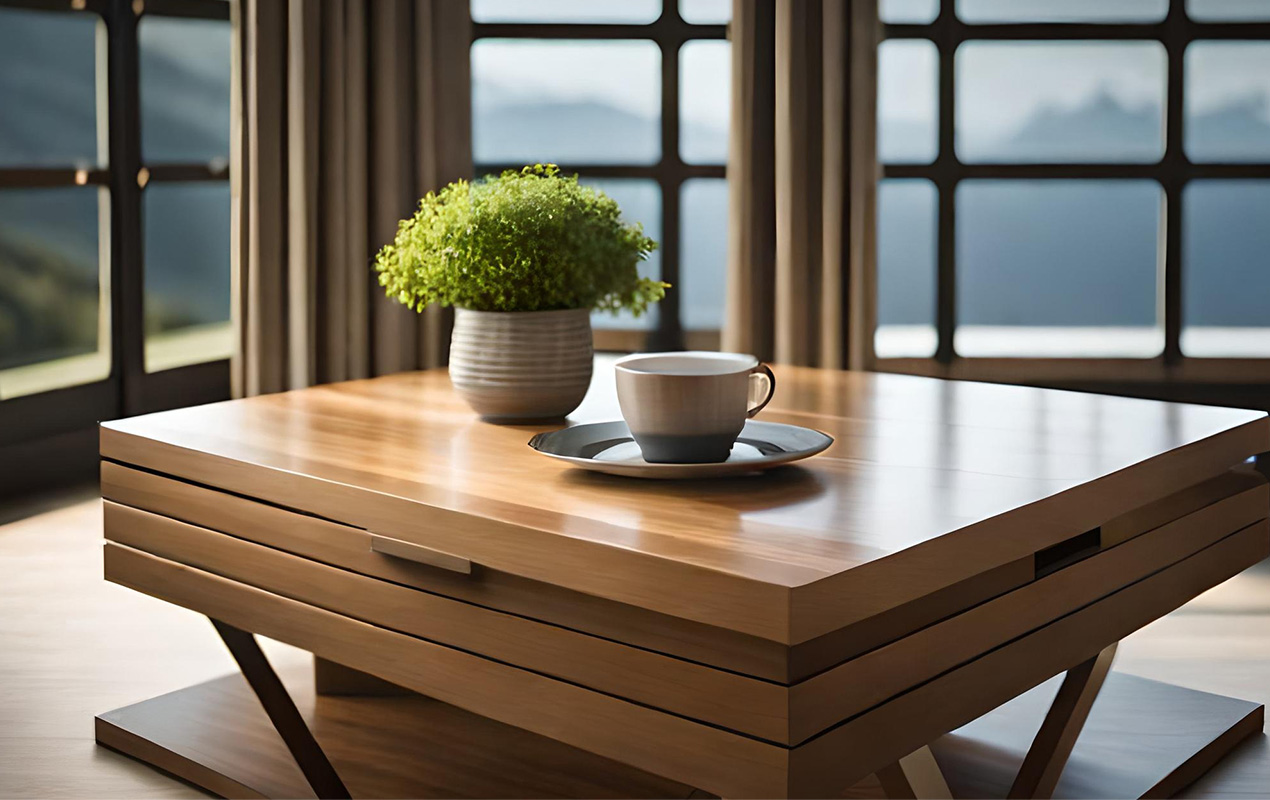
(761, 374)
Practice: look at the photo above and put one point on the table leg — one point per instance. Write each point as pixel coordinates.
(916, 775)
(1043, 765)
(332, 679)
(282, 712)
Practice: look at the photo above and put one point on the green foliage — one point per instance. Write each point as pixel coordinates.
(532, 240)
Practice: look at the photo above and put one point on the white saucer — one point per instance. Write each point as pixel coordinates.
(608, 447)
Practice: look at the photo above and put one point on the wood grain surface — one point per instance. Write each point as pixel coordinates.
(349, 547)
(847, 753)
(125, 646)
(1143, 738)
(718, 761)
(216, 735)
(759, 708)
(863, 682)
(726, 763)
(929, 484)
(783, 714)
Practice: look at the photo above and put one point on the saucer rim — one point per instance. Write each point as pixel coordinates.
(644, 469)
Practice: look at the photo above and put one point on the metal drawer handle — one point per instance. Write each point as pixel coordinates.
(410, 551)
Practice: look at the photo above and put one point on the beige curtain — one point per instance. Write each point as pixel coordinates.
(801, 171)
(345, 113)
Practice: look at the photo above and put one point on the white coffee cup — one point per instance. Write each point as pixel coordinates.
(688, 408)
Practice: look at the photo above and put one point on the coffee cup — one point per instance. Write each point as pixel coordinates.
(688, 408)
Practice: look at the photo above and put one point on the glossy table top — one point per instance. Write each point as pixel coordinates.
(1009, 470)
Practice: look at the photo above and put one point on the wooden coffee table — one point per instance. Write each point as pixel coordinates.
(849, 620)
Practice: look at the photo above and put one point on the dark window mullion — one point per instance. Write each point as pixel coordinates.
(98, 7)
(1173, 175)
(1094, 171)
(1084, 31)
(127, 279)
(1173, 171)
(669, 32)
(664, 29)
(669, 332)
(946, 174)
(40, 177)
(69, 408)
(186, 173)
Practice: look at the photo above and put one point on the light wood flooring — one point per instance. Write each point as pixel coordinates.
(73, 646)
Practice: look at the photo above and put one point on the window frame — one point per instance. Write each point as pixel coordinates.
(128, 389)
(1172, 374)
(669, 32)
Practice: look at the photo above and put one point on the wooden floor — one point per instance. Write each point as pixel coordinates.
(73, 646)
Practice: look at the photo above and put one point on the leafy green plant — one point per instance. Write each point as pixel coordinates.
(528, 240)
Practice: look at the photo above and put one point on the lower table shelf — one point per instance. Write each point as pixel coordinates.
(1142, 738)
(216, 736)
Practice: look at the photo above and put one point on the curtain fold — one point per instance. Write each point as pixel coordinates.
(345, 113)
(802, 170)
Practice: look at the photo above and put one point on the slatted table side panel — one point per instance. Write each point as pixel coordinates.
(347, 547)
(911, 720)
(736, 702)
(871, 678)
(725, 763)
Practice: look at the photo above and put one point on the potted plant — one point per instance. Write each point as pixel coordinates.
(524, 258)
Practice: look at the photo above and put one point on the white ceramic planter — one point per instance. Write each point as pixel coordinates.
(521, 365)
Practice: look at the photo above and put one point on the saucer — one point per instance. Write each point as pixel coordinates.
(608, 447)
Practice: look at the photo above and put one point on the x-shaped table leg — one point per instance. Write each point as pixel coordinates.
(1054, 741)
(282, 712)
(917, 775)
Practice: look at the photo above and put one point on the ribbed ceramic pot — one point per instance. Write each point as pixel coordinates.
(521, 365)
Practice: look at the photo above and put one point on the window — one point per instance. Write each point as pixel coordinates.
(633, 98)
(114, 209)
(1074, 183)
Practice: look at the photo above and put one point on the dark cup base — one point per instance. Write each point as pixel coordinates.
(695, 449)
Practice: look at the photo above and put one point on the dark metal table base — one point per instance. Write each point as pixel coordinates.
(282, 712)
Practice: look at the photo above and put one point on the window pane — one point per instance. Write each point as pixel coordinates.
(706, 12)
(641, 202)
(184, 89)
(1060, 101)
(908, 102)
(907, 223)
(566, 102)
(1226, 268)
(1058, 268)
(48, 89)
(1228, 10)
(1062, 10)
(638, 11)
(912, 12)
(704, 253)
(1228, 101)
(186, 273)
(705, 95)
(54, 318)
